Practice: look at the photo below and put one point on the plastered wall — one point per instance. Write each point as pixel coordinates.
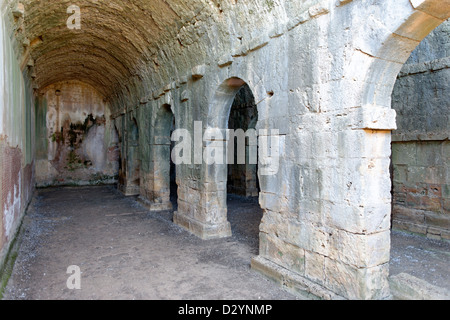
(78, 142)
(16, 127)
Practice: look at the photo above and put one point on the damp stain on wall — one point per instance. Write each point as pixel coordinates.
(79, 137)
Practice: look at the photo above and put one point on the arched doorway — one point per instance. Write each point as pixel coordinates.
(242, 173)
(387, 59)
(129, 175)
(208, 218)
(420, 161)
(243, 210)
(134, 157)
(164, 171)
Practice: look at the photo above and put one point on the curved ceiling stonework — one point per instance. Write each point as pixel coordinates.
(126, 48)
(116, 40)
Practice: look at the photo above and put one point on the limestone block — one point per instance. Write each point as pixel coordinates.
(183, 80)
(185, 96)
(436, 8)
(310, 237)
(269, 201)
(362, 251)
(355, 283)
(314, 266)
(437, 220)
(377, 118)
(408, 226)
(198, 72)
(292, 281)
(282, 253)
(397, 48)
(299, 19)
(411, 27)
(360, 219)
(203, 231)
(224, 61)
(277, 30)
(318, 9)
(168, 99)
(409, 214)
(404, 154)
(406, 287)
(258, 43)
(167, 87)
(156, 94)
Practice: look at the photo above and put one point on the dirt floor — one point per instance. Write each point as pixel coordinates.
(125, 252)
(420, 257)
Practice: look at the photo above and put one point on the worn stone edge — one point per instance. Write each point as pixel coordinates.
(291, 281)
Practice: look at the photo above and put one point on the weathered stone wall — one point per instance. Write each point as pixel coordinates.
(16, 130)
(421, 147)
(322, 76)
(79, 140)
(130, 156)
(321, 72)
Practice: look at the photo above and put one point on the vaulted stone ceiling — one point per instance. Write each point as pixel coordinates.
(127, 48)
(117, 38)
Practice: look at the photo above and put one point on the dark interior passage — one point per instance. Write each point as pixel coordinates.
(243, 177)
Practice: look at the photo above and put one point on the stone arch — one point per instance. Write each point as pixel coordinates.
(404, 25)
(243, 177)
(391, 32)
(420, 149)
(208, 218)
(354, 194)
(216, 175)
(134, 161)
(409, 23)
(220, 107)
(161, 159)
(129, 175)
(218, 117)
(119, 147)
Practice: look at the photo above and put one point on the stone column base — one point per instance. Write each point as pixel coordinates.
(129, 191)
(201, 230)
(292, 281)
(152, 206)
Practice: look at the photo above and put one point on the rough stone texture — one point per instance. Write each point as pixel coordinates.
(407, 287)
(421, 150)
(81, 142)
(16, 147)
(322, 74)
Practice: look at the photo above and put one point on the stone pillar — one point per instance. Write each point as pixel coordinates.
(129, 182)
(156, 191)
(158, 198)
(207, 218)
(332, 238)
